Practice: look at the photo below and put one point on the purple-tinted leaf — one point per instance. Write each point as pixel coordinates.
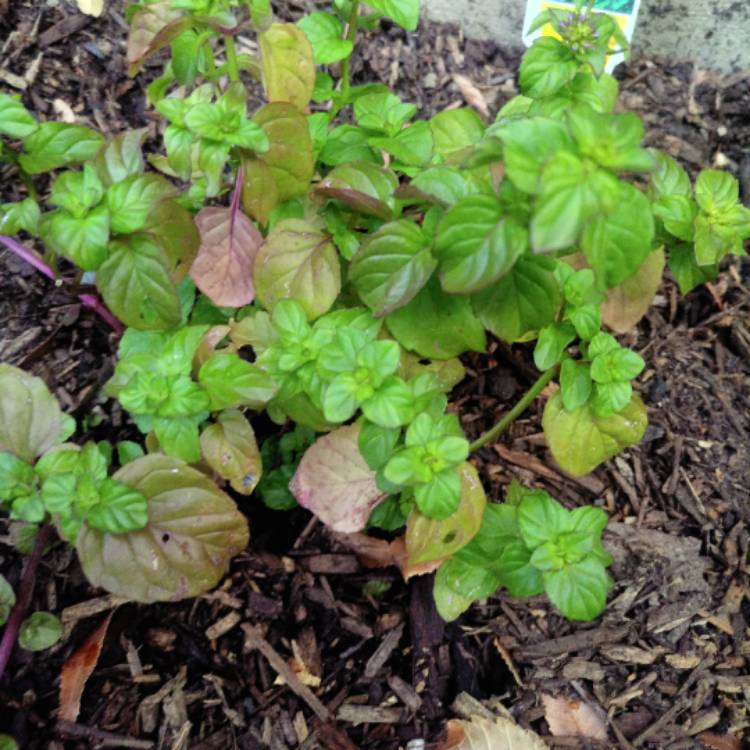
(335, 483)
(152, 28)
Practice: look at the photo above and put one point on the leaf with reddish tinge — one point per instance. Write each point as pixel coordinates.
(230, 449)
(567, 718)
(194, 529)
(77, 670)
(287, 64)
(31, 421)
(432, 540)
(223, 270)
(335, 483)
(152, 28)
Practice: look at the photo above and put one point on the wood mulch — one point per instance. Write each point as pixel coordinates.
(303, 647)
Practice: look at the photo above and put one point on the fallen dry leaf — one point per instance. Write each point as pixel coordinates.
(472, 94)
(77, 670)
(568, 718)
(490, 734)
(63, 111)
(720, 741)
(91, 7)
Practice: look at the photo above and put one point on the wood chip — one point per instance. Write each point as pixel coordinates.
(405, 692)
(383, 652)
(254, 641)
(369, 714)
(629, 654)
(91, 607)
(222, 626)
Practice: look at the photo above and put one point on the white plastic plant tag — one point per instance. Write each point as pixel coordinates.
(624, 11)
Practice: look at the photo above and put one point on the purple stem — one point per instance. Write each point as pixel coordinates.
(25, 590)
(87, 300)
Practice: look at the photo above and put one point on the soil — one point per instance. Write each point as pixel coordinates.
(666, 665)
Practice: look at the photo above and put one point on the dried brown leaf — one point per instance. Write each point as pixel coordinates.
(472, 94)
(568, 718)
(77, 670)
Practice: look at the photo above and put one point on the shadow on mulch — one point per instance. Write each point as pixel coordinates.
(666, 665)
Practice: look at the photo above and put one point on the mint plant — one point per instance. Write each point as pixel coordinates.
(349, 255)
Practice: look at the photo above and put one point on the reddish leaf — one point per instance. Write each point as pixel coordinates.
(152, 28)
(77, 670)
(335, 483)
(223, 270)
(720, 741)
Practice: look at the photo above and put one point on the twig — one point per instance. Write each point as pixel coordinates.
(87, 300)
(25, 591)
(100, 738)
(254, 641)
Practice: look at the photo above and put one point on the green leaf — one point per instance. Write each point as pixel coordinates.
(382, 112)
(178, 436)
(437, 326)
(40, 631)
(363, 187)
(298, 262)
(439, 498)
(120, 157)
(188, 57)
(550, 347)
(522, 302)
(528, 145)
(31, 421)
(446, 185)
(231, 381)
(346, 144)
(22, 216)
(404, 12)
(586, 319)
(334, 482)
(546, 67)
(193, 531)
(287, 64)
(685, 269)
(456, 130)
(678, 213)
(15, 120)
(476, 244)
(127, 451)
(152, 27)
(569, 195)
(325, 33)
(376, 443)
(56, 144)
(716, 191)
(458, 584)
(516, 572)
(7, 742)
(290, 153)
(541, 519)
(580, 441)
(136, 284)
(429, 539)
(449, 603)
(413, 146)
(120, 509)
(83, 241)
(7, 599)
(617, 365)
(392, 266)
(575, 383)
(579, 590)
(391, 405)
(131, 201)
(669, 178)
(77, 192)
(230, 449)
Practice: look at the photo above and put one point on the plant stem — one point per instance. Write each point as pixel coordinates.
(88, 300)
(351, 35)
(491, 435)
(231, 49)
(208, 51)
(25, 591)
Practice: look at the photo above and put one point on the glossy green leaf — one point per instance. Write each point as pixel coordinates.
(580, 441)
(120, 157)
(546, 68)
(345, 144)
(15, 120)
(522, 302)
(31, 421)
(436, 325)
(334, 482)
(39, 631)
(298, 262)
(231, 381)
(376, 444)
(230, 449)
(678, 213)
(21, 216)
(476, 244)
(553, 340)
(287, 64)
(84, 241)
(382, 112)
(616, 245)
(120, 509)
(392, 266)
(413, 146)
(716, 191)
(458, 584)
(575, 383)
(362, 186)
(579, 590)
(7, 599)
(132, 200)
(137, 286)
(429, 539)
(456, 130)
(325, 33)
(57, 144)
(77, 192)
(152, 28)
(685, 269)
(541, 519)
(193, 531)
(404, 12)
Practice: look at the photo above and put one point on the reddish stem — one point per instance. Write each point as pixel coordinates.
(25, 590)
(87, 300)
